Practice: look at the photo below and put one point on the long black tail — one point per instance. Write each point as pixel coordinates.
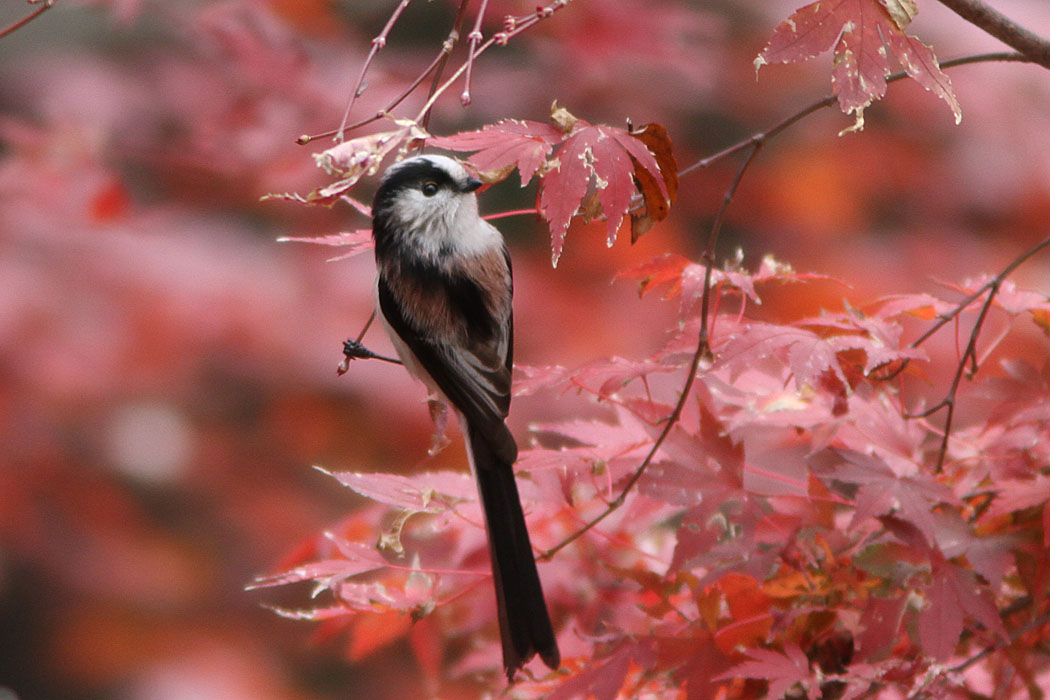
(524, 623)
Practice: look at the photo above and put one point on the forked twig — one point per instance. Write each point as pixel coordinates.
(512, 27)
(991, 288)
(354, 350)
(442, 61)
(377, 45)
(473, 39)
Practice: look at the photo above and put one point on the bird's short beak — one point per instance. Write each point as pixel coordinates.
(472, 184)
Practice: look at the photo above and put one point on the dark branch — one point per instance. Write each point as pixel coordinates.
(1034, 47)
(784, 124)
(991, 287)
(354, 350)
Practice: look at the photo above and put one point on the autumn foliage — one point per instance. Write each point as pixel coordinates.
(799, 446)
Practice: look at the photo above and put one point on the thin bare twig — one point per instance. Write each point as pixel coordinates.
(513, 26)
(991, 288)
(305, 139)
(994, 282)
(446, 51)
(1014, 636)
(970, 353)
(1034, 47)
(377, 45)
(517, 26)
(474, 38)
(14, 26)
(354, 350)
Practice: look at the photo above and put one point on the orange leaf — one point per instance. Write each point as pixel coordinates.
(744, 634)
(425, 639)
(376, 630)
(743, 596)
(1041, 318)
(749, 609)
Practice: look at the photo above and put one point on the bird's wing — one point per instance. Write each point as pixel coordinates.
(473, 375)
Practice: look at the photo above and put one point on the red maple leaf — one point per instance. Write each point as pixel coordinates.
(807, 354)
(953, 595)
(862, 32)
(431, 492)
(598, 157)
(592, 172)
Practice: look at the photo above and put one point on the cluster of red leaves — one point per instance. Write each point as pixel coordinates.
(595, 171)
(791, 535)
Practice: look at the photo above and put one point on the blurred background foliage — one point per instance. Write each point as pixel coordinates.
(167, 370)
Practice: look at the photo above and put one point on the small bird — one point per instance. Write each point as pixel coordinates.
(443, 292)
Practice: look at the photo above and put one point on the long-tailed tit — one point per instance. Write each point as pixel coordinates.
(443, 291)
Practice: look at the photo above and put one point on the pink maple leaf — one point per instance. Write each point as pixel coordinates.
(782, 670)
(862, 33)
(354, 241)
(505, 145)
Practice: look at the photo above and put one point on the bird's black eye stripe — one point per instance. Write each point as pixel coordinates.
(430, 188)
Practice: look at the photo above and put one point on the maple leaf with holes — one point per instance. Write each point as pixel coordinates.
(861, 32)
(596, 170)
(598, 158)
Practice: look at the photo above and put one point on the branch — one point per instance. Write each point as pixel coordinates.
(1002, 643)
(47, 5)
(474, 38)
(512, 27)
(1034, 47)
(991, 287)
(783, 124)
(354, 350)
(377, 45)
(969, 354)
(446, 51)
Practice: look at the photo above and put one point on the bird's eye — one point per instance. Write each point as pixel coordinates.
(430, 189)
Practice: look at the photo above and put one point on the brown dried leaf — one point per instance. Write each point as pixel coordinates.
(657, 206)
